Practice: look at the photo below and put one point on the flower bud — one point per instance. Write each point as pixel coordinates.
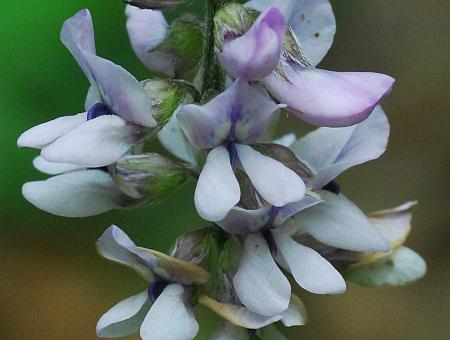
(167, 96)
(194, 246)
(155, 4)
(232, 20)
(148, 177)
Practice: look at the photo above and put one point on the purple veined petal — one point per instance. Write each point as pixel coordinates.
(259, 283)
(121, 91)
(255, 54)
(311, 271)
(339, 223)
(125, 318)
(50, 168)
(276, 183)
(217, 188)
(312, 21)
(77, 34)
(116, 246)
(240, 114)
(327, 98)
(116, 87)
(240, 221)
(330, 151)
(170, 317)
(147, 29)
(95, 143)
(46, 133)
(75, 194)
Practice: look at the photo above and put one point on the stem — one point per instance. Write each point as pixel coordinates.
(213, 75)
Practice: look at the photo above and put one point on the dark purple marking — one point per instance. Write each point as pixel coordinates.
(333, 187)
(233, 155)
(98, 110)
(156, 288)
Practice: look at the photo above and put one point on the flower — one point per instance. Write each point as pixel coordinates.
(255, 54)
(272, 233)
(119, 111)
(81, 192)
(226, 126)
(320, 97)
(163, 310)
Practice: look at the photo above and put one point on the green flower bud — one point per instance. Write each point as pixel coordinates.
(232, 20)
(167, 96)
(148, 177)
(155, 4)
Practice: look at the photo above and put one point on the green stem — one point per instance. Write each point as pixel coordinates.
(213, 74)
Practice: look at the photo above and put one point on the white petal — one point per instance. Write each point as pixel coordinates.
(46, 133)
(330, 151)
(125, 318)
(116, 246)
(339, 223)
(236, 314)
(175, 141)
(98, 142)
(170, 318)
(314, 24)
(400, 268)
(296, 314)
(276, 183)
(217, 187)
(311, 271)
(228, 331)
(41, 164)
(394, 224)
(311, 199)
(259, 283)
(74, 194)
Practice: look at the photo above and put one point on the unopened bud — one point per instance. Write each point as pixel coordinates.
(148, 177)
(167, 96)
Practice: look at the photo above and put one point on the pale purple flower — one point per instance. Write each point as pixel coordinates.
(162, 311)
(320, 97)
(226, 126)
(119, 111)
(271, 232)
(255, 54)
(147, 29)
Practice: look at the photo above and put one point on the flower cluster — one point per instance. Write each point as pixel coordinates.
(275, 209)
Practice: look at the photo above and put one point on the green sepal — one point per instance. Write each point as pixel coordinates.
(148, 177)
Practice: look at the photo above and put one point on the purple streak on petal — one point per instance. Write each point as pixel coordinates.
(233, 155)
(256, 53)
(156, 288)
(327, 98)
(98, 110)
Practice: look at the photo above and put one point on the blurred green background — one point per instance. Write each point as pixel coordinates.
(54, 286)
